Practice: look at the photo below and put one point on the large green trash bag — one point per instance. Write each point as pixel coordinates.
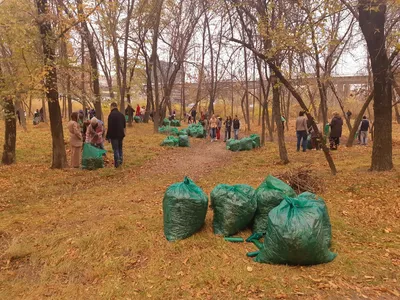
(92, 157)
(176, 123)
(170, 141)
(137, 119)
(256, 140)
(234, 207)
(196, 130)
(324, 209)
(174, 131)
(246, 144)
(183, 132)
(309, 145)
(268, 195)
(166, 122)
(164, 129)
(183, 141)
(184, 208)
(296, 234)
(233, 145)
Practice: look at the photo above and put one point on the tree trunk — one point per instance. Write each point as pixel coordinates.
(10, 134)
(59, 159)
(246, 75)
(19, 107)
(69, 96)
(44, 108)
(93, 61)
(277, 118)
(372, 24)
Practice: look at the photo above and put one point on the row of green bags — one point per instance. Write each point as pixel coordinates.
(180, 141)
(297, 230)
(245, 144)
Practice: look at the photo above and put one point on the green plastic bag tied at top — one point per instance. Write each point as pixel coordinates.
(269, 195)
(183, 141)
(137, 119)
(184, 209)
(183, 132)
(234, 207)
(246, 144)
(176, 123)
(297, 234)
(233, 145)
(170, 141)
(256, 140)
(92, 157)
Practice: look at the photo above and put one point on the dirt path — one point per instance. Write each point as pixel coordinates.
(200, 159)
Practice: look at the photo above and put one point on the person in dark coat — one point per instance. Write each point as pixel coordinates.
(336, 131)
(194, 113)
(129, 112)
(116, 132)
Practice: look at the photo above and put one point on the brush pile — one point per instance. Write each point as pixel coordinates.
(302, 179)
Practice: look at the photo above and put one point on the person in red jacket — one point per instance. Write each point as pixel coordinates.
(138, 110)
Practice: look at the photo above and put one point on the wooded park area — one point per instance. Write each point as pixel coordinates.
(73, 233)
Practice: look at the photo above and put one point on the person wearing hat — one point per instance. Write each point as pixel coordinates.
(116, 133)
(75, 140)
(94, 133)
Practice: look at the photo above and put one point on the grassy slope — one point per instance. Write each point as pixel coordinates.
(66, 234)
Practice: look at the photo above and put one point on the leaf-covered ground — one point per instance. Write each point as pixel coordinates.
(99, 235)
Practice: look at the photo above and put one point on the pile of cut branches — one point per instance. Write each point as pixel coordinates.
(302, 179)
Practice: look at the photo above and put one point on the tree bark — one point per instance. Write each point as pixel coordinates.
(10, 134)
(372, 24)
(277, 118)
(59, 160)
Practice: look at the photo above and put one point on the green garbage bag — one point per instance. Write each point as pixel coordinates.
(170, 141)
(126, 118)
(324, 210)
(309, 145)
(183, 141)
(164, 129)
(246, 144)
(183, 132)
(268, 195)
(234, 207)
(137, 119)
(196, 130)
(92, 157)
(176, 123)
(296, 234)
(174, 131)
(166, 122)
(184, 209)
(233, 145)
(256, 140)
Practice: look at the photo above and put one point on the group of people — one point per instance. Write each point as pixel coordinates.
(93, 132)
(304, 130)
(213, 126)
(130, 112)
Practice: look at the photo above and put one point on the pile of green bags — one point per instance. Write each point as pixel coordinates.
(268, 195)
(168, 130)
(183, 132)
(176, 123)
(245, 144)
(170, 141)
(137, 119)
(234, 207)
(298, 233)
(92, 157)
(184, 209)
(196, 130)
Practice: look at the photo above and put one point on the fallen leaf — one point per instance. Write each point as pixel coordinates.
(249, 269)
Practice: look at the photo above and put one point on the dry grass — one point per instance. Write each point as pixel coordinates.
(99, 235)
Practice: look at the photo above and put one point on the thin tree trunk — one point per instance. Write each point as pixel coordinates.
(44, 108)
(69, 96)
(59, 160)
(10, 134)
(277, 117)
